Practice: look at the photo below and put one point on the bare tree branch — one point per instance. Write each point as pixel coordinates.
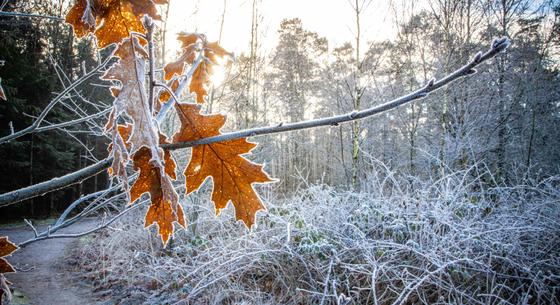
(73, 122)
(42, 188)
(61, 223)
(103, 225)
(50, 106)
(182, 84)
(38, 189)
(498, 46)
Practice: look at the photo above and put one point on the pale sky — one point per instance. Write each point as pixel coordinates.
(333, 19)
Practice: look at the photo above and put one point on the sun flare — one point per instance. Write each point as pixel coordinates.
(219, 72)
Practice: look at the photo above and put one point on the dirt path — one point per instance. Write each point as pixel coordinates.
(48, 281)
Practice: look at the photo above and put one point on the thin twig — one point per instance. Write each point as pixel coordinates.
(169, 90)
(28, 222)
(49, 236)
(50, 106)
(73, 122)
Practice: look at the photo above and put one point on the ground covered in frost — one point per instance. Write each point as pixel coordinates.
(399, 241)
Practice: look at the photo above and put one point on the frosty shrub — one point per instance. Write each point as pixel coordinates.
(448, 241)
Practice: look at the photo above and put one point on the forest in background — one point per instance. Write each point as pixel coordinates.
(504, 120)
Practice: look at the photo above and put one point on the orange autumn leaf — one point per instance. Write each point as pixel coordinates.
(119, 152)
(189, 46)
(141, 141)
(6, 249)
(232, 174)
(110, 20)
(189, 42)
(200, 82)
(192, 45)
(164, 208)
(118, 149)
(170, 166)
(2, 94)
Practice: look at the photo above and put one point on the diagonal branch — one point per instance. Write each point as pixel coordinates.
(498, 46)
(74, 122)
(182, 84)
(42, 188)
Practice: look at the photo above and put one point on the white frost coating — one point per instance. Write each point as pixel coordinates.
(440, 242)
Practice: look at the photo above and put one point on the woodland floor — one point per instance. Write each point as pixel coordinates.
(45, 274)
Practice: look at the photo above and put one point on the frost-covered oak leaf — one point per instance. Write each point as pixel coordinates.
(170, 165)
(131, 98)
(164, 208)
(111, 20)
(232, 174)
(2, 94)
(141, 141)
(6, 249)
(192, 45)
(119, 151)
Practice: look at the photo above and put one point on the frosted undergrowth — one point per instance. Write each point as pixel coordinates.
(439, 242)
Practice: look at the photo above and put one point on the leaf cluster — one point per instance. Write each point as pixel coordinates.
(127, 23)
